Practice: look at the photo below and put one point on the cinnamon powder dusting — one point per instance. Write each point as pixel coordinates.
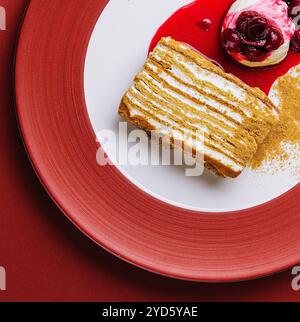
(283, 143)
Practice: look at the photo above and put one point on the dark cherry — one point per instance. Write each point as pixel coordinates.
(295, 44)
(254, 54)
(274, 39)
(257, 28)
(288, 2)
(231, 40)
(243, 20)
(254, 43)
(253, 25)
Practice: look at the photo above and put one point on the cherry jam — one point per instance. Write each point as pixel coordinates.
(186, 25)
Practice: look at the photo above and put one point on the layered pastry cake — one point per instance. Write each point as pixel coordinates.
(179, 91)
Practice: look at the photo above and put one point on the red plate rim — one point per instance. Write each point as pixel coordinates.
(101, 202)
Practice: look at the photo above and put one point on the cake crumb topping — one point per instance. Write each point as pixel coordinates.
(283, 142)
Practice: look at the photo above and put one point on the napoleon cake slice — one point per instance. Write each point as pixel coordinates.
(181, 90)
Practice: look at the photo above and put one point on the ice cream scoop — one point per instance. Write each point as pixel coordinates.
(258, 33)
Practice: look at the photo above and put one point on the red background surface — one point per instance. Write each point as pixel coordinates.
(47, 259)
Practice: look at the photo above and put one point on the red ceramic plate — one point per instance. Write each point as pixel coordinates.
(103, 203)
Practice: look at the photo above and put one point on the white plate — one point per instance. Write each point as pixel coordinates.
(117, 51)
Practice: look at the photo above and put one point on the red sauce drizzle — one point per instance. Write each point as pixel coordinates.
(183, 26)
